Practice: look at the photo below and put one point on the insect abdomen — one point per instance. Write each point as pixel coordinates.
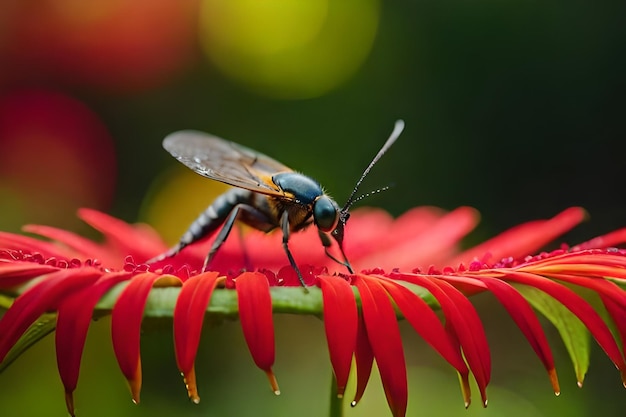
(213, 217)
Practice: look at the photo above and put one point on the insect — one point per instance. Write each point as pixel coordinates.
(266, 194)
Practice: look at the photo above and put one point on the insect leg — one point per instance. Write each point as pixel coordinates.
(258, 216)
(284, 224)
(246, 259)
(209, 221)
(327, 244)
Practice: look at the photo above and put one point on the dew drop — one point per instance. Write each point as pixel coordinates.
(277, 392)
(353, 403)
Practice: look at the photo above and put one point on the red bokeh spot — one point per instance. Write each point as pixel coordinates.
(116, 45)
(55, 153)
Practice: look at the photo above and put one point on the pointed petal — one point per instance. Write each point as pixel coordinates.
(255, 313)
(341, 320)
(139, 241)
(613, 297)
(84, 247)
(525, 238)
(32, 245)
(189, 313)
(384, 336)
(17, 273)
(580, 308)
(364, 358)
(522, 313)
(126, 326)
(617, 312)
(575, 335)
(433, 245)
(463, 321)
(74, 315)
(473, 339)
(43, 296)
(608, 240)
(426, 323)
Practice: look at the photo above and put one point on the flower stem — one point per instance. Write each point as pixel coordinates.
(336, 402)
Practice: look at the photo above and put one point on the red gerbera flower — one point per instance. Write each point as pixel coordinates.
(70, 275)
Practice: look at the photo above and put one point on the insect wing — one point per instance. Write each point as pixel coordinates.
(225, 161)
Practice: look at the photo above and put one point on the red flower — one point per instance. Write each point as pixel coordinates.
(360, 310)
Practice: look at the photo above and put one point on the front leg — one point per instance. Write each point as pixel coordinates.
(327, 242)
(254, 215)
(284, 224)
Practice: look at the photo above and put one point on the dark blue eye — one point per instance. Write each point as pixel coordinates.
(325, 214)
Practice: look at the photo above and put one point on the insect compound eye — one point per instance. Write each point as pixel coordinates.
(325, 214)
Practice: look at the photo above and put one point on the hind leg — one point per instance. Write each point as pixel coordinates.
(254, 217)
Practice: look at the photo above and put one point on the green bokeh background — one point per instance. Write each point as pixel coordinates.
(516, 108)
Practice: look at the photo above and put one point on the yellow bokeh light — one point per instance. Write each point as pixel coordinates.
(290, 49)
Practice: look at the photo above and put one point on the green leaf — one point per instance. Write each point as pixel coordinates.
(37, 331)
(575, 335)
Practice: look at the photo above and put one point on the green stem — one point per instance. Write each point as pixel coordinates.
(336, 403)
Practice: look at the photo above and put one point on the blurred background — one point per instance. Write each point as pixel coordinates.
(516, 108)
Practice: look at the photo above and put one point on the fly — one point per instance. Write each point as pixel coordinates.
(266, 195)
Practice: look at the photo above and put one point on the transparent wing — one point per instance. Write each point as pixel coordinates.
(225, 161)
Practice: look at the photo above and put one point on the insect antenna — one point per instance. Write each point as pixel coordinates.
(397, 130)
(370, 193)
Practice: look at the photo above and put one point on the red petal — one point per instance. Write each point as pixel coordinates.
(126, 326)
(31, 245)
(189, 312)
(463, 321)
(617, 312)
(614, 238)
(384, 336)
(524, 239)
(74, 316)
(584, 264)
(522, 313)
(580, 308)
(613, 297)
(80, 245)
(433, 245)
(140, 242)
(341, 320)
(426, 324)
(44, 296)
(255, 313)
(13, 273)
(364, 358)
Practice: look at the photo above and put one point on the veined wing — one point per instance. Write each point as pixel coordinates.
(225, 161)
